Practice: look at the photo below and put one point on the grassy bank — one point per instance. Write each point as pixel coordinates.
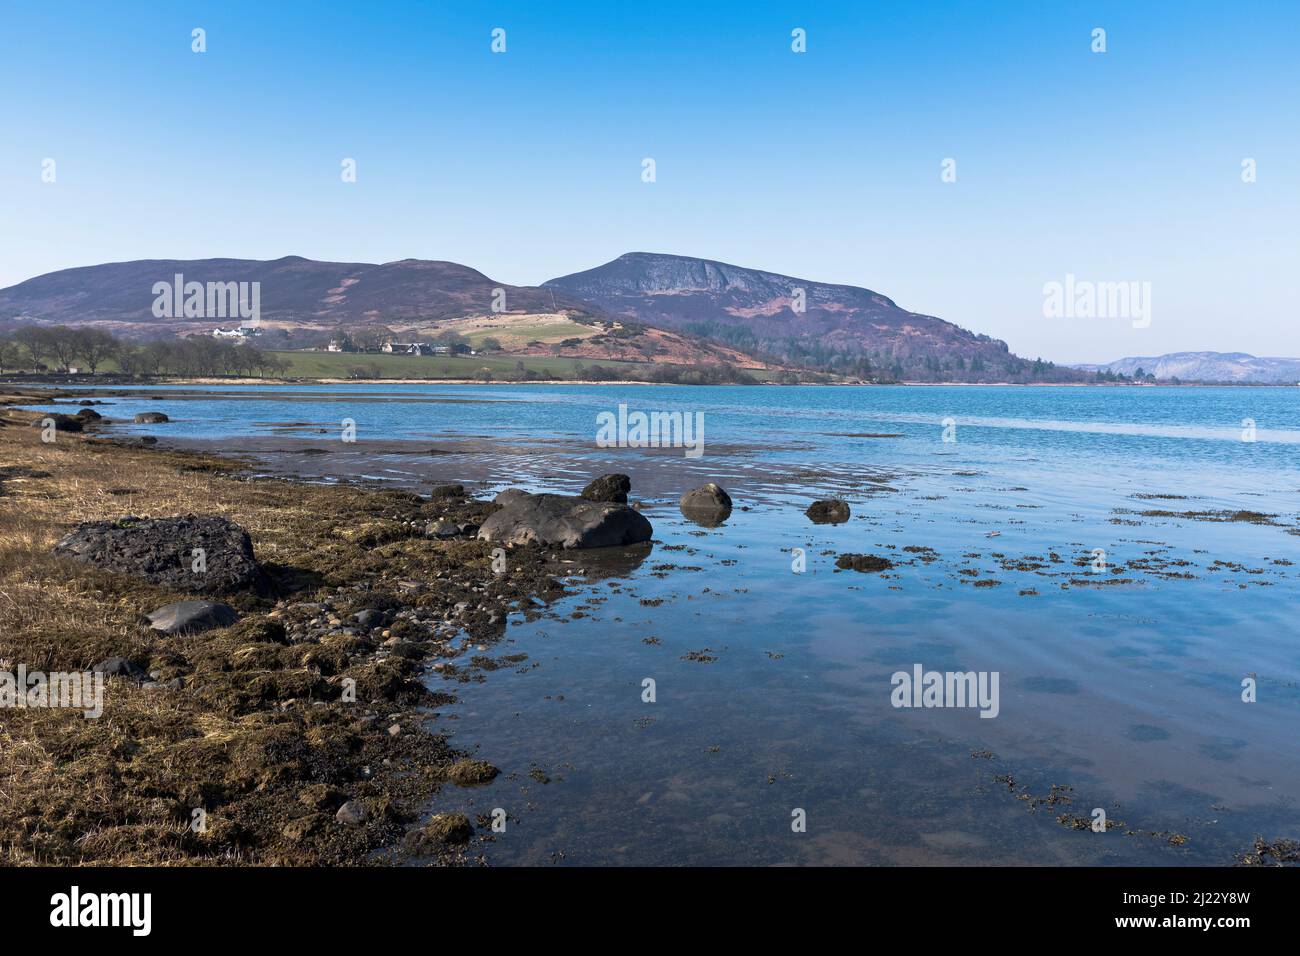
(380, 365)
(247, 724)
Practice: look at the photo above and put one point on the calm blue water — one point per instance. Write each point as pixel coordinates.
(1127, 692)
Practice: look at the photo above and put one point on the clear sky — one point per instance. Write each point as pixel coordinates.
(824, 165)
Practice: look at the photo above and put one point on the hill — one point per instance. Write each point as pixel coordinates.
(1206, 367)
(821, 325)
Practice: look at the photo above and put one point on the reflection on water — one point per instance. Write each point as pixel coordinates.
(1111, 553)
(772, 694)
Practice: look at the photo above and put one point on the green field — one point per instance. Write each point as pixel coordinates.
(378, 365)
(339, 364)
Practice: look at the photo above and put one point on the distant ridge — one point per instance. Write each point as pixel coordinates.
(294, 290)
(306, 302)
(1206, 367)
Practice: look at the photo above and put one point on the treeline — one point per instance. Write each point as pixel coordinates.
(719, 374)
(60, 348)
(715, 374)
(994, 363)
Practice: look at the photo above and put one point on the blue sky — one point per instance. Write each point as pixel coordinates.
(824, 165)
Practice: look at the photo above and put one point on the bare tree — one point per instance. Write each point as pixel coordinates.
(35, 341)
(93, 346)
(62, 343)
(10, 355)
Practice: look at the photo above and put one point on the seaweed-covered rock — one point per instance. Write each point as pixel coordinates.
(204, 553)
(565, 522)
(863, 562)
(608, 488)
(828, 511)
(471, 773)
(443, 829)
(447, 491)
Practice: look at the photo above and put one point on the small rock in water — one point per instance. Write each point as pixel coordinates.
(151, 418)
(863, 562)
(443, 829)
(828, 511)
(469, 773)
(707, 505)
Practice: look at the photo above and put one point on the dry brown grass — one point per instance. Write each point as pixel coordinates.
(248, 735)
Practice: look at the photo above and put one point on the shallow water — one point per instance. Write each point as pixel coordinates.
(1128, 692)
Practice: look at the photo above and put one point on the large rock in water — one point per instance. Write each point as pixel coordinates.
(707, 505)
(151, 418)
(191, 617)
(565, 522)
(162, 551)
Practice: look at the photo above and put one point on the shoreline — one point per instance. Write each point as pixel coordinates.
(347, 546)
(87, 381)
(248, 723)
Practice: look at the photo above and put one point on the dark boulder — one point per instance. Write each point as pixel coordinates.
(151, 418)
(564, 521)
(828, 511)
(163, 551)
(706, 505)
(609, 488)
(89, 415)
(863, 562)
(62, 423)
(447, 491)
(371, 618)
(192, 617)
(121, 667)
